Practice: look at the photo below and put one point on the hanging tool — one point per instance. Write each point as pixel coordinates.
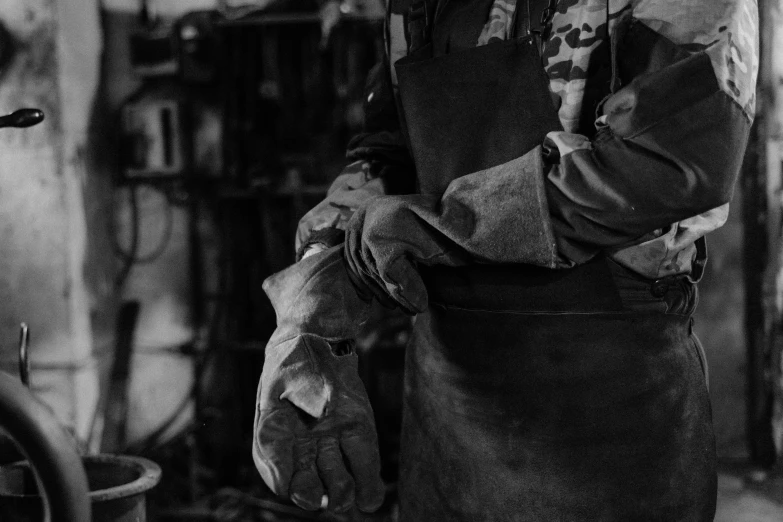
(22, 118)
(24, 359)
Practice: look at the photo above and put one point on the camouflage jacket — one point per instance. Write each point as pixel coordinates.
(654, 126)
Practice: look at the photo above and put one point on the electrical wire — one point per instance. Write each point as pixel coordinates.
(124, 272)
(160, 248)
(131, 256)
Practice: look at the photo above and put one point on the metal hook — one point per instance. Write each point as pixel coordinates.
(24, 360)
(22, 118)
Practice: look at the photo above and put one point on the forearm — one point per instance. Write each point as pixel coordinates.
(671, 147)
(671, 135)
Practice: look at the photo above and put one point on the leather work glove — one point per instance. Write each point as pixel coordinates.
(497, 215)
(314, 431)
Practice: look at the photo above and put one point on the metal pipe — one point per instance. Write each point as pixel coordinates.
(49, 449)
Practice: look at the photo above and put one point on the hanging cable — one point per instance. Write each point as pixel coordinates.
(131, 256)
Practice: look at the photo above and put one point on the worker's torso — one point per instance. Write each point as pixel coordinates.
(577, 61)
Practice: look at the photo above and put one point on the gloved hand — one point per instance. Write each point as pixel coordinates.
(498, 215)
(314, 426)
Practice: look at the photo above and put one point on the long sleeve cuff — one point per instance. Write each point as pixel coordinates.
(497, 215)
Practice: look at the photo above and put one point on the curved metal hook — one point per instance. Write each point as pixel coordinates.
(24, 357)
(22, 118)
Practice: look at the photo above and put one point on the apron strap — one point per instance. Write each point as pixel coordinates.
(546, 19)
(522, 19)
(418, 25)
(520, 24)
(545, 24)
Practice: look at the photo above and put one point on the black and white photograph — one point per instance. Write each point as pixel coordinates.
(391, 260)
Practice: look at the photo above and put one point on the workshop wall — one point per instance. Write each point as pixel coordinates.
(161, 375)
(45, 176)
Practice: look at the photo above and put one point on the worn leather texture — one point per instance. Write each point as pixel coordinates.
(474, 109)
(314, 430)
(564, 407)
(493, 216)
(521, 416)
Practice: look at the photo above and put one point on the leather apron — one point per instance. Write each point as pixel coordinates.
(534, 394)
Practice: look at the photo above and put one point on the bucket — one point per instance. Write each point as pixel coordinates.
(117, 484)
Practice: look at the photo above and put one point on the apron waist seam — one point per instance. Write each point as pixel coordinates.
(629, 313)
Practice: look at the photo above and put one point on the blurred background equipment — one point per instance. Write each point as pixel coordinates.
(54, 482)
(154, 44)
(199, 46)
(222, 152)
(152, 133)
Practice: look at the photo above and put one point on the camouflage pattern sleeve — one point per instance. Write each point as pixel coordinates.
(670, 136)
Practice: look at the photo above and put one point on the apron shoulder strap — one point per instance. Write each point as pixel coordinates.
(418, 25)
(420, 21)
(527, 13)
(543, 11)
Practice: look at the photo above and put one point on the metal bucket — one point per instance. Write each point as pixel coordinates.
(118, 486)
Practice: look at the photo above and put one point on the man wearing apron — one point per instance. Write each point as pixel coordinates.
(534, 184)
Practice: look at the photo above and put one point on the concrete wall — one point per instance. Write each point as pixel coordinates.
(43, 176)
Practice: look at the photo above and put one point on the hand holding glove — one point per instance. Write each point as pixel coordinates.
(314, 427)
(497, 215)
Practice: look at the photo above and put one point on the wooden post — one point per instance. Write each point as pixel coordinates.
(771, 87)
(763, 253)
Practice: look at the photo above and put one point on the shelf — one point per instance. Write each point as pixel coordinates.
(267, 19)
(282, 192)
